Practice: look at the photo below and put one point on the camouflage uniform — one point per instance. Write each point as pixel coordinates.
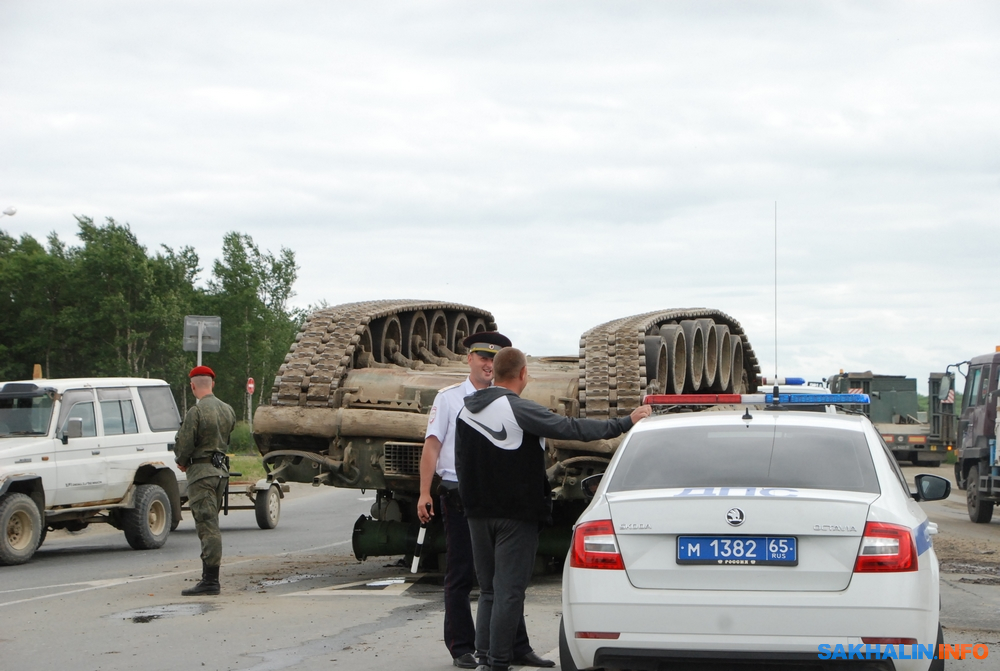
(205, 430)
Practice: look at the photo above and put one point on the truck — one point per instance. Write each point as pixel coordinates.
(925, 439)
(349, 404)
(977, 469)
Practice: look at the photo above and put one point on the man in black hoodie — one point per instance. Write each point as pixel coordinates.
(500, 461)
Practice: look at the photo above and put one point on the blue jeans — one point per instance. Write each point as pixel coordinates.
(504, 552)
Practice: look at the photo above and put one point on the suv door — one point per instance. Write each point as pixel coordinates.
(123, 446)
(81, 472)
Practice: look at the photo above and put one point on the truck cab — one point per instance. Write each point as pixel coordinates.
(976, 470)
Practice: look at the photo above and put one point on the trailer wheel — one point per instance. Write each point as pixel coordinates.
(267, 506)
(980, 511)
(20, 529)
(147, 525)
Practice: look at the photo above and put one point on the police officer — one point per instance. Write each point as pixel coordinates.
(439, 457)
(200, 452)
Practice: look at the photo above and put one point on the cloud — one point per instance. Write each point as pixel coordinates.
(560, 164)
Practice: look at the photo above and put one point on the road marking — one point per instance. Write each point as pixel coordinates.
(116, 582)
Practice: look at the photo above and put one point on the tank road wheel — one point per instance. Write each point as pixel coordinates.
(147, 525)
(980, 512)
(20, 529)
(267, 506)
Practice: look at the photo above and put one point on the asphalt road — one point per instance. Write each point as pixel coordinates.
(294, 597)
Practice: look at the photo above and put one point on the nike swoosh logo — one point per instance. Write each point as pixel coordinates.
(500, 435)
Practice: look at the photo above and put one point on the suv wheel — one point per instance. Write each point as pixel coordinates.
(147, 525)
(20, 529)
(980, 511)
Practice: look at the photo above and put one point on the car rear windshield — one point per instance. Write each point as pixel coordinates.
(798, 457)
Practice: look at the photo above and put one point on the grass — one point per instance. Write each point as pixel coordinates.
(249, 465)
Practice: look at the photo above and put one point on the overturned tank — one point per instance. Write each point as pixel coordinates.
(349, 404)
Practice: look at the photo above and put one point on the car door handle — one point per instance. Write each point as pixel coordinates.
(95, 451)
(140, 448)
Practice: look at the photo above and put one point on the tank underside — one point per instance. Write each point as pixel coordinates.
(349, 405)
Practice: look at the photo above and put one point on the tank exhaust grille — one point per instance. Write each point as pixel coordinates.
(403, 458)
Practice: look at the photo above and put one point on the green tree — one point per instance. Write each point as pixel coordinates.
(251, 290)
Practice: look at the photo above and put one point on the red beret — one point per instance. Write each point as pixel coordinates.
(202, 370)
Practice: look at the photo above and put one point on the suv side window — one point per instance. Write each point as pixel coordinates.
(117, 412)
(79, 403)
(161, 411)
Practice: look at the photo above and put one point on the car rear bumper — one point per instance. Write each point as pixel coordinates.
(670, 624)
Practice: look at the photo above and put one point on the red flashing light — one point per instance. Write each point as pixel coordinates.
(692, 399)
(595, 546)
(886, 548)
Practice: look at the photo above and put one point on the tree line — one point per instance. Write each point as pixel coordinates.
(107, 307)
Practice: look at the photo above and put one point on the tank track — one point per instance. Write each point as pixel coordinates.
(324, 350)
(613, 360)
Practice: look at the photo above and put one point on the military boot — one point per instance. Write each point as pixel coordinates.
(209, 583)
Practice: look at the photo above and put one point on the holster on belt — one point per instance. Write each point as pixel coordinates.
(451, 497)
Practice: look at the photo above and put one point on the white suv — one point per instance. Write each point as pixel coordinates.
(78, 451)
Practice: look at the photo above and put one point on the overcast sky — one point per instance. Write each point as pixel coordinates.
(557, 163)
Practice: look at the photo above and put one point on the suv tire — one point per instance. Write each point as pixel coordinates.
(980, 512)
(20, 529)
(147, 525)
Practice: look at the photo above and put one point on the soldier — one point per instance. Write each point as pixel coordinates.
(439, 457)
(201, 453)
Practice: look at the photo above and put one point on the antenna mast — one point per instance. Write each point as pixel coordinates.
(775, 290)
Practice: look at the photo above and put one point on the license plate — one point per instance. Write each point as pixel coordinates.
(738, 550)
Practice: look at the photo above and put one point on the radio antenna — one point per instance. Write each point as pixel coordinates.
(775, 290)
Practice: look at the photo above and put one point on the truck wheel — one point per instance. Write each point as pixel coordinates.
(566, 662)
(20, 529)
(267, 505)
(980, 511)
(147, 525)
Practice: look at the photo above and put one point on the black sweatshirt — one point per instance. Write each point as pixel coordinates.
(500, 452)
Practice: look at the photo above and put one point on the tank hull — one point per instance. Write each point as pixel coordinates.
(349, 405)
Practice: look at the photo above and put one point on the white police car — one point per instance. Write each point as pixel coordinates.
(767, 536)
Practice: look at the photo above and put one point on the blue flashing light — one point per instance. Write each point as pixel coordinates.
(819, 399)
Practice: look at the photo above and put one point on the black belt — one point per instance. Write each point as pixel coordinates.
(202, 460)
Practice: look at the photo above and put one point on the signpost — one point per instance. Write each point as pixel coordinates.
(250, 388)
(202, 334)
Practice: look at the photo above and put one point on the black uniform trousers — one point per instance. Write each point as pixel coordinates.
(459, 578)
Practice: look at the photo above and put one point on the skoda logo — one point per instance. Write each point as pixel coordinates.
(735, 517)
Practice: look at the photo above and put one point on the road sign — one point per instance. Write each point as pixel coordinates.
(202, 334)
(250, 386)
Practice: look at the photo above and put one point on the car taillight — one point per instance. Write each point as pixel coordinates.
(886, 547)
(595, 546)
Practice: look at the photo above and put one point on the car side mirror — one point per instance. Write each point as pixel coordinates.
(590, 485)
(931, 487)
(74, 429)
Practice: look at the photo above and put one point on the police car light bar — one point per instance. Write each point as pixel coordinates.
(756, 399)
(768, 381)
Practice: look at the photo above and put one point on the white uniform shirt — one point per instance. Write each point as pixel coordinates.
(441, 424)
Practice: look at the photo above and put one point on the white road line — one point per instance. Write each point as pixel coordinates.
(115, 582)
